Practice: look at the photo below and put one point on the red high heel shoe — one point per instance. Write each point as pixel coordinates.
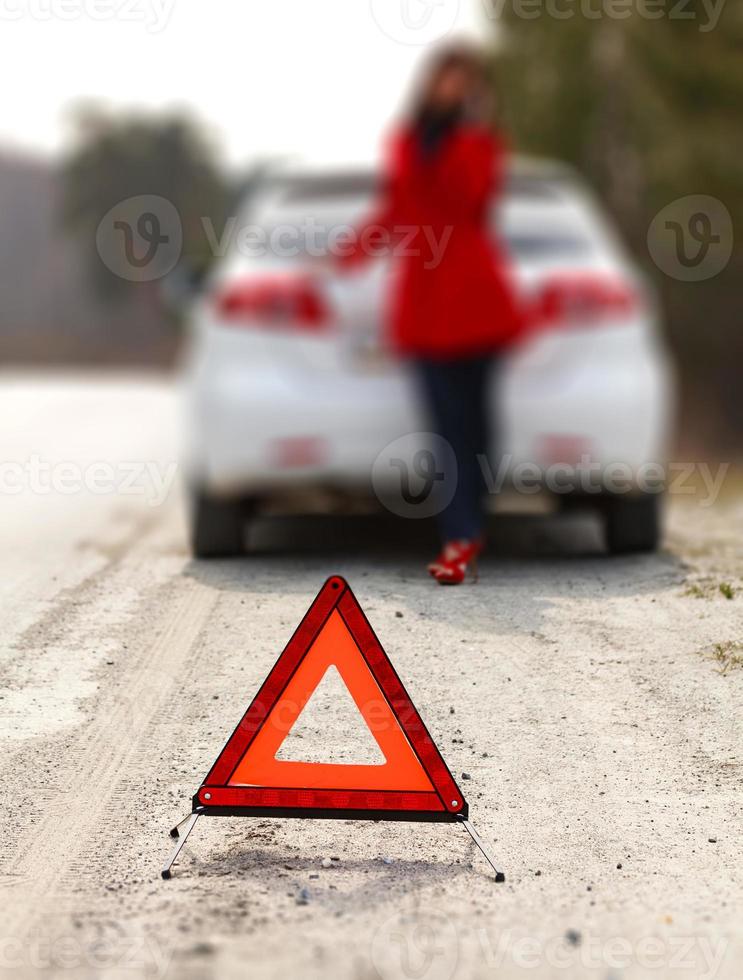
(450, 568)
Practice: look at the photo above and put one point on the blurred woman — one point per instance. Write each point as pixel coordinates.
(451, 309)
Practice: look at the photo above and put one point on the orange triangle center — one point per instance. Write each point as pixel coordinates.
(333, 646)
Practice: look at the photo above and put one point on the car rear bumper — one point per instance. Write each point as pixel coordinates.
(252, 432)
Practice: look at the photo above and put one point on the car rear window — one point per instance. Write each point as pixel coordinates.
(526, 188)
(534, 246)
(301, 191)
(342, 198)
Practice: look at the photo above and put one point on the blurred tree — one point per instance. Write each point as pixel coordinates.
(649, 111)
(116, 158)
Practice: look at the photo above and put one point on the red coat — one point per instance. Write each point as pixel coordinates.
(451, 294)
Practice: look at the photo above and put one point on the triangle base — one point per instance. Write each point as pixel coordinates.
(324, 804)
(298, 813)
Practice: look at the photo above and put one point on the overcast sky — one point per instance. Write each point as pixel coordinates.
(318, 77)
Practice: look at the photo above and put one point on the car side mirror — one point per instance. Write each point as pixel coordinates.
(183, 285)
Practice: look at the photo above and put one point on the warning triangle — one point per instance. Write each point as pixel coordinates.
(411, 783)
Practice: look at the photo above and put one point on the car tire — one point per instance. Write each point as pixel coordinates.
(632, 523)
(217, 526)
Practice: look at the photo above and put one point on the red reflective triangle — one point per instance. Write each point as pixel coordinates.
(413, 782)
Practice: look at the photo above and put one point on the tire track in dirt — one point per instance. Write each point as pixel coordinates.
(47, 860)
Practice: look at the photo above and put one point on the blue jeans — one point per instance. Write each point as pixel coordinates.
(456, 398)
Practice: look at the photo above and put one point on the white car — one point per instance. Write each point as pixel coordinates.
(289, 387)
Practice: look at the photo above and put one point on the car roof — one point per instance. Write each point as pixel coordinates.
(518, 163)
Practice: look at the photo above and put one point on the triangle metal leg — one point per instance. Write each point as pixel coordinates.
(499, 875)
(188, 824)
(175, 832)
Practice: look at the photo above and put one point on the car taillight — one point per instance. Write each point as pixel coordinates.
(287, 302)
(583, 301)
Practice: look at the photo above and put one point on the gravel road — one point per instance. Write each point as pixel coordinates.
(600, 736)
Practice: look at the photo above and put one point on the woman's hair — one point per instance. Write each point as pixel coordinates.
(461, 56)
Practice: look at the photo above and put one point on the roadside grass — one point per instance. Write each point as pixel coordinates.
(729, 655)
(709, 589)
